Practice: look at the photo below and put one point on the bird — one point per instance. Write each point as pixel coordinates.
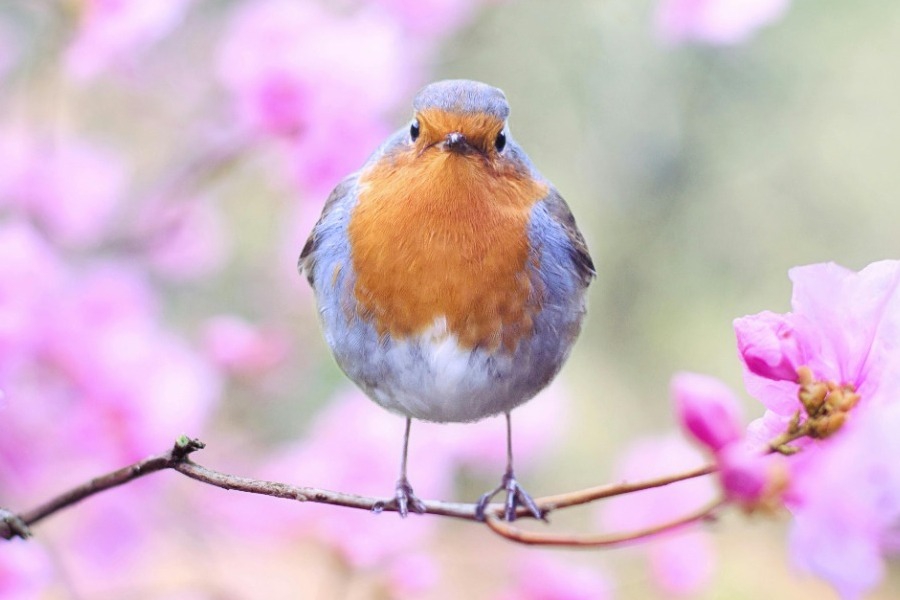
(450, 275)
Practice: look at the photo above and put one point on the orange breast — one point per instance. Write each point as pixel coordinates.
(445, 235)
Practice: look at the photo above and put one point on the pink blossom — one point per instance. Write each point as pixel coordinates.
(29, 272)
(145, 384)
(654, 457)
(537, 576)
(715, 21)
(243, 349)
(323, 84)
(95, 356)
(846, 504)
(290, 63)
(768, 344)
(263, 62)
(710, 412)
(749, 477)
(763, 430)
(845, 490)
(25, 571)
(87, 357)
(844, 327)
(70, 186)
(31, 399)
(76, 189)
(113, 33)
(707, 409)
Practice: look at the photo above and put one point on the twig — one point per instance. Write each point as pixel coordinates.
(12, 525)
(549, 503)
(536, 538)
(317, 495)
(16, 525)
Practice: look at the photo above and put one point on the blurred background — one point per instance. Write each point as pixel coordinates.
(161, 163)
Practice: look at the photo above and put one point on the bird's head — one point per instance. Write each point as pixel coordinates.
(461, 117)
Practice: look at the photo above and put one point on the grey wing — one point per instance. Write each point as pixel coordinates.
(307, 261)
(559, 211)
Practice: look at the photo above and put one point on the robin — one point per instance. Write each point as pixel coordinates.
(449, 274)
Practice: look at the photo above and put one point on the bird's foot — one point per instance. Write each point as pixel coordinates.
(515, 497)
(405, 499)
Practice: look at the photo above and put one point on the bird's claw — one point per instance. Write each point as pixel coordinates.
(405, 499)
(516, 496)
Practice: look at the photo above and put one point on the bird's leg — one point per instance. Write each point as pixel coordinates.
(404, 497)
(515, 495)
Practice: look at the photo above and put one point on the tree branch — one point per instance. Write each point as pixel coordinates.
(178, 459)
(585, 496)
(12, 525)
(536, 538)
(317, 495)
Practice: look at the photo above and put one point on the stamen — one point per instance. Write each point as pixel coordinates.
(826, 404)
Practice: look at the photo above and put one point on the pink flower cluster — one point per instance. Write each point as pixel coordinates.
(828, 371)
(320, 82)
(70, 187)
(91, 378)
(845, 490)
(844, 328)
(710, 413)
(114, 33)
(89, 350)
(846, 504)
(86, 347)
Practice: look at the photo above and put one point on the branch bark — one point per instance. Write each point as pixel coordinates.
(605, 540)
(178, 459)
(17, 525)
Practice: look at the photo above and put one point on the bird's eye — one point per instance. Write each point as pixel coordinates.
(414, 130)
(500, 142)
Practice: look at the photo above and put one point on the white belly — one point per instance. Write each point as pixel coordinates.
(429, 377)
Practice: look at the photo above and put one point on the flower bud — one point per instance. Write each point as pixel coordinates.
(826, 425)
(768, 346)
(812, 396)
(707, 409)
(751, 479)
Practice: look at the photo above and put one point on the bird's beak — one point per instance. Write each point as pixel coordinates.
(457, 142)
